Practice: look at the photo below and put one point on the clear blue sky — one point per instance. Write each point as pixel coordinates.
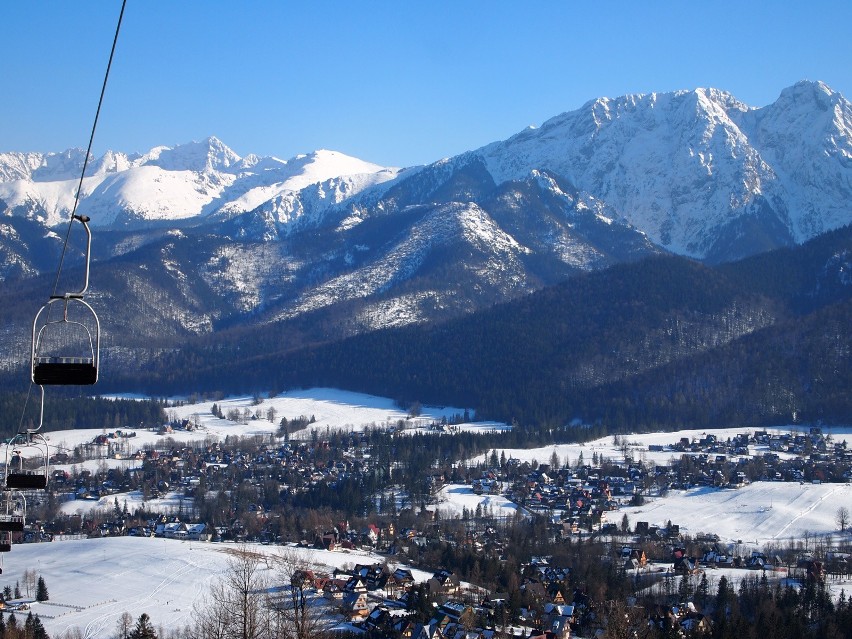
(393, 82)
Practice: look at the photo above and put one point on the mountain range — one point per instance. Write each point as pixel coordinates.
(194, 240)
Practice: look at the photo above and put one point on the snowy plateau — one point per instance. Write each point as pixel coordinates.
(696, 173)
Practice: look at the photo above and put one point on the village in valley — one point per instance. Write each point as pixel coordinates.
(526, 542)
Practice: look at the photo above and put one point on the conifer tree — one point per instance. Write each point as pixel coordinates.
(41, 590)
(38, 629)
(703, 590)
(143, 629)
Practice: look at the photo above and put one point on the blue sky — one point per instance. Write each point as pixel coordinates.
(397, 83)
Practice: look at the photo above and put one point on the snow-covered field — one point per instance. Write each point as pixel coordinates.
(332, 409)
(453, 499)
(757, 514)
(92, 582)
(638, 445)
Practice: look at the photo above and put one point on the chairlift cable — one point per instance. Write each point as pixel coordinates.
(77, 196)
(89, 148)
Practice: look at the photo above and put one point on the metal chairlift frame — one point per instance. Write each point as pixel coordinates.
(20, 478)
(12, 521)
(75, 370)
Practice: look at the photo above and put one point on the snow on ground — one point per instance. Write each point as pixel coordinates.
(332, 409)
(637, 445)
(172, 503)
(453, 499)
(92, 582)
(757, 514)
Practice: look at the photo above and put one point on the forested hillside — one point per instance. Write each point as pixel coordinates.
(663, 342)
(62, 410)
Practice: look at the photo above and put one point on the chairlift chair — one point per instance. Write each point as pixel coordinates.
(66, 351)
(14, 518)
(17, 476)
(5, 542)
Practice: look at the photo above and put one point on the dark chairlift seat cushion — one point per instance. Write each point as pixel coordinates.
(65, 374)
(4, 547)
(15, 524)
(22, 480)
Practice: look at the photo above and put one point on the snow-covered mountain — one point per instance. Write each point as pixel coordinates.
(700, 172)
(183, 183)
(218, 239)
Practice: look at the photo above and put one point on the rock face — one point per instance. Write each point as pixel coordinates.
(699, 172)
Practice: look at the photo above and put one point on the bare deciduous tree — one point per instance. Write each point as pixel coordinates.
(124, 624)
(298, 612)
(841, 517)
(30, 581)
(260, 597)
(236, 603)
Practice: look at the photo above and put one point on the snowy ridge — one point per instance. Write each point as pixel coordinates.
(176, 184)
(699, 172)
(682, 166)
(806, 137)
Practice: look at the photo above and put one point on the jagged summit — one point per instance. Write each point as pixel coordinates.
(696, 169)
(204, 157)
(179, 184)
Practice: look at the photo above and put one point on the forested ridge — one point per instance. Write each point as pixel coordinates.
(64, 411)
(664, 341)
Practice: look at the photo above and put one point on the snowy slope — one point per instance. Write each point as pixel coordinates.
(92, 582)
(806, 137)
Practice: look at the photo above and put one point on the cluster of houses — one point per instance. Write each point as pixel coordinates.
(574, 500)
(581, 499)
(758, 456)
(379, 600)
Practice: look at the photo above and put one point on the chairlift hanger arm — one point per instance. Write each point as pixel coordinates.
(84, 220)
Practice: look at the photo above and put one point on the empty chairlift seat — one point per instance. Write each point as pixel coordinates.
(11, 523)
(65, 350)
(65, 371)
(26, 481)
(27, 462)
(66, 335)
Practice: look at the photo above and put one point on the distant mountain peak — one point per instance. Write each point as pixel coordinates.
(202, 156)
(816, 91)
